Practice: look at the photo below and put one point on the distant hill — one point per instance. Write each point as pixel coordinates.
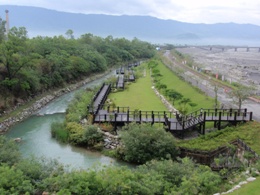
(45, 22)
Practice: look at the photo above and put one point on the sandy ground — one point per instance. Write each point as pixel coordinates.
(240, 66)
(236, 66)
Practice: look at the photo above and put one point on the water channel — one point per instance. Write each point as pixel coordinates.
(37, 141)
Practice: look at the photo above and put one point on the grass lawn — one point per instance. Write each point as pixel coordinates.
(188, 91)
(139, 95)
(252, 188)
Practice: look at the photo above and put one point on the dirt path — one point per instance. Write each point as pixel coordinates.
(205, 83)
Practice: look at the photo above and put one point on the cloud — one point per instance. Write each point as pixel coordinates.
(199, 11)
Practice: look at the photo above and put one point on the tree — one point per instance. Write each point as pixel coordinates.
(184, 106)
(69, 34)
(2, 30)
(216, 96)
(173, 95)
(14, 56)
(240, 94)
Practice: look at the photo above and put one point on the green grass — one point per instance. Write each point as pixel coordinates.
(174, 82)
(251, 188)
(139, 95)
(248, 132)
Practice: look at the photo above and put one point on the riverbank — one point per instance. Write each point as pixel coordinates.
(37, 105)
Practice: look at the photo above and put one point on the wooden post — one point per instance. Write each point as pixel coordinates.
(115, 125)
(93, 121)
(169, 125)
(127, 117)
(152, 118)
(251, 116)
(204, 123)
(117, 109)
(245, 112)
(230, 112)
(219, 121)
(200, 127)
(235, 118)
(140, 116)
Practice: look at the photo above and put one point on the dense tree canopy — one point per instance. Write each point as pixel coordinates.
(31, 66)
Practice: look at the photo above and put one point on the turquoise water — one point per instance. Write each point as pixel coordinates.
(37, 141)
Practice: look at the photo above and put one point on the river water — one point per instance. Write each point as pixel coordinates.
(37, 141)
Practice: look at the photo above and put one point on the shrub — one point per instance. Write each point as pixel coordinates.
(75, 131)
(13, 181)
(92, 136)
(258, 165)
(9, 152)
(142, 143)
(59, 132)
(77, 109)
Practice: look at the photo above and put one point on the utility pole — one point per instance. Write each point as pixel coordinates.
(7, 22)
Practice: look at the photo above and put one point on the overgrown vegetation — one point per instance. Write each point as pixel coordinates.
(35, 176)
(73, 130)
(248, 132)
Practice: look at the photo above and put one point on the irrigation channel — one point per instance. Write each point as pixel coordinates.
(37, 141)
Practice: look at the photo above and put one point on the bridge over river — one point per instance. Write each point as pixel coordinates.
(223, 48)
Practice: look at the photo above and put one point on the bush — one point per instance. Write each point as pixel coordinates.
(185, 177)
(77, 109)
(59, 132)
(92, 137)
(9, 152)
(14, 182)
(142, 143)
(75, 131)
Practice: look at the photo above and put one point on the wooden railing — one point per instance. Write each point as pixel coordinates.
(123, 114)
(202, 115)
(242, 144)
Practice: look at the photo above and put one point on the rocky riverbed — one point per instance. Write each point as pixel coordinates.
(240, 66)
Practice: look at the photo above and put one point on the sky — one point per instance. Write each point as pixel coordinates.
(192, 11)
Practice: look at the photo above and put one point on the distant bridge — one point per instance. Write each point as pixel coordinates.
(223, 48)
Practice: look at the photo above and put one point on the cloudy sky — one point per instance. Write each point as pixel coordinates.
(193, 11)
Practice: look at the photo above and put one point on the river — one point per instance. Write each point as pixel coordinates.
(37, 141)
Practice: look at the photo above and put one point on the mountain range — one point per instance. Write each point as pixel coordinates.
(46, 22)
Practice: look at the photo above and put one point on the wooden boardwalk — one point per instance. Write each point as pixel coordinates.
(171, 122)
(120, 82)
(100, 98)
